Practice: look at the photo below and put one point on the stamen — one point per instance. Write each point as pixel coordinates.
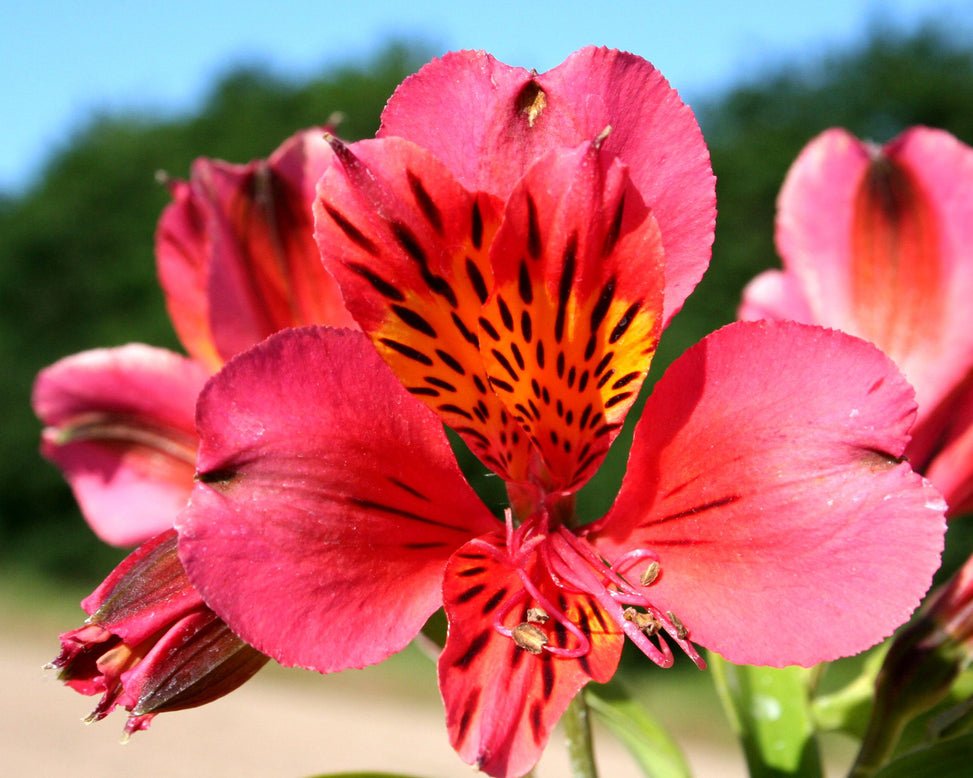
(649, 574)
(681, 632)
(530, 638)
(646, 622)
(537, 616)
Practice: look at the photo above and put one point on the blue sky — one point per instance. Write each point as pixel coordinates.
(64, 59)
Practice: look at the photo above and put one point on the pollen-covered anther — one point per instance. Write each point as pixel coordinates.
(681, 632)
(537, 616)
(645, 622)
(529, 637)
(650, 574)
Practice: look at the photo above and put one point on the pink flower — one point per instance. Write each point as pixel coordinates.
(876, 242)
(151, 644)
(515, 274)
(237, 261)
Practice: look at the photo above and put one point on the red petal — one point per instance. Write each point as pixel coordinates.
(502, 702)
(502, 119)
(237, 257)
(878, 239)
(182, 250)
(409, 247)
(576, 312)
(327, 503)
(765, 473)
(119, 424)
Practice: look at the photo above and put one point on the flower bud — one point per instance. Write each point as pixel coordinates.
(150, 644)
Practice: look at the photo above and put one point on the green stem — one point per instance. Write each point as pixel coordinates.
(577, 729)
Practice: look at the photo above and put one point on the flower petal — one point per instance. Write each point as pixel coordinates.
(766, 475)
(774, 295)
(571, 327)
(878, 240)
(236, 251)
(327, 503)
(119, 425)
(409, 247)
(519, 116)
(502, 701)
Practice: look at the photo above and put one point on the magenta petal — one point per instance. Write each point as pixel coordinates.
(787, 528)
(878, 239)
(119, 424)
(774, 295)
(328, 502)
(502, 119)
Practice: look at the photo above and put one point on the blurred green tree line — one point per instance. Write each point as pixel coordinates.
(76, 250)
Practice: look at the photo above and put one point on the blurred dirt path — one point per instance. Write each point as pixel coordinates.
(283, 723)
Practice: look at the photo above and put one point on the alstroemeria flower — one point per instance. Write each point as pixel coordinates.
(237, 260)
(876, 241)
(236, 254)
(515, 273)
(150, 644)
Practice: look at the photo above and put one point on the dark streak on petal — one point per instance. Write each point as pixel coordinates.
(353, 234)
(407, 351)
(474, 649)
(378, 283)
(426, 204)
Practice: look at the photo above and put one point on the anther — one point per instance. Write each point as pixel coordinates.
(645, 622)
(681, 632)
(649, 574)
(537, 616)
(529, 637)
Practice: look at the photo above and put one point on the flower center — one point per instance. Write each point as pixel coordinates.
(569, 562)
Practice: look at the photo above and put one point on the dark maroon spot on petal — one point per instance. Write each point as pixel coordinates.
(583, 382)
(611, 237)
(494, 601)
(559, 407)
(518, 357)
(536, 413)
(469, 708)
(569, 417)
(476, 278)
(414, 320)
(585, 414)
(560, 365)
(572, 374)
(605, 378)
(615, 400)
(505, 315)
(423, 546)
(586, 462)
(547, 676)
(625, 321)
(524, 286)
(440, 383)
(410, 489)
(536, 721)
(353, 234)
(476, 228)
(470, 555)
(545, 395)
(565, 284)
(535, 388)
(425, 202)
(489, 329)
(516, 657)
(409, 243)
(480, 386)
(407, 351)
(378, 283)
(468, 335)
(540, 354)
(605, 430)
(471, 571)
(604, 362)
(560, 634)
(371, 505)
(450, 361)
(423, 391)
(589, 349)
(526, 326)
(469, 594)
(450, 408)
(596, 611)
(625, 380)
(601, 307)
(500, 384)
(554, 438)
(723, 501)
(533, 229)
(505, 363)
(482, 439)
(473, 650)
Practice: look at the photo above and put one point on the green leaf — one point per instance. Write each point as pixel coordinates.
(945, 759)
(847, 710)
(649, 743)
(770, 711)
